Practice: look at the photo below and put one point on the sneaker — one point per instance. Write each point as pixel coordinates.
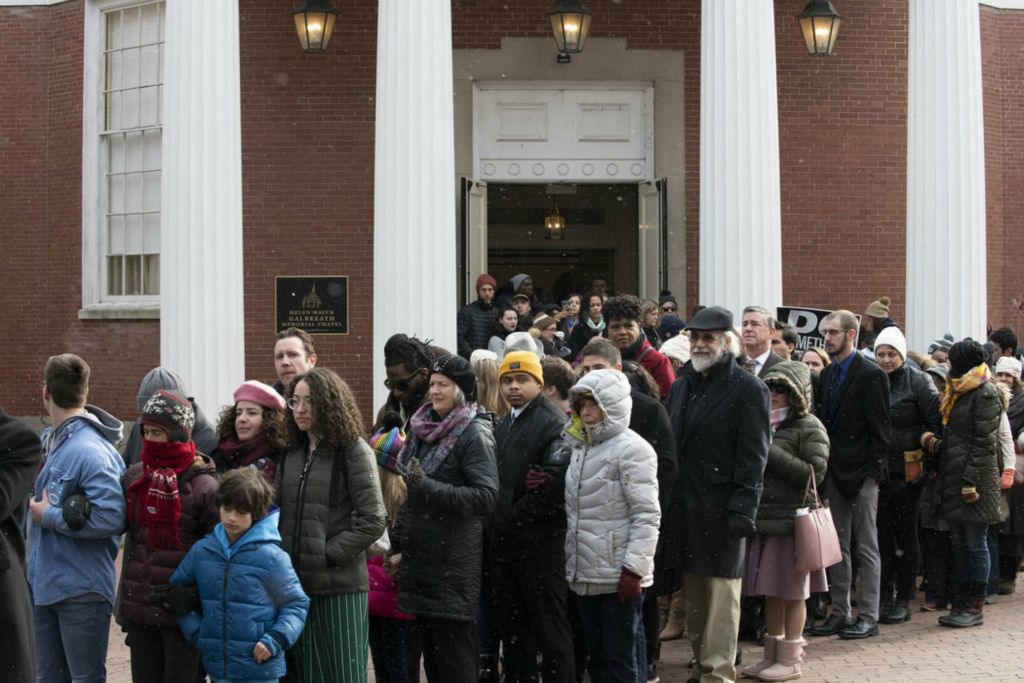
(652, 674)
(931, 607)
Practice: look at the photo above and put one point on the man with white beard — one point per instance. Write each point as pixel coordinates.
(720, 416)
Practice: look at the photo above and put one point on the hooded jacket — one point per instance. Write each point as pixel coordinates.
(798, 447)
(249, 594)
(80, 457)
(611, 492)
(203, 434)
(146, 566)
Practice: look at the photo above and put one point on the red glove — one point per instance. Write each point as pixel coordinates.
(629, 586)
(535, 479)
(1006, 480)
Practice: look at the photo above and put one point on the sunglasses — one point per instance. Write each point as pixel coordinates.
(401, 384)
(669, 309)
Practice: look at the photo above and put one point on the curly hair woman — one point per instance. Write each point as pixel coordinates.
(331, 511)
(251, 431)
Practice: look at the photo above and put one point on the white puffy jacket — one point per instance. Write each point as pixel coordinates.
(611, 492)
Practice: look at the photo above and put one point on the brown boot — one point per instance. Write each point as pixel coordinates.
(676, 624)
(787, 663)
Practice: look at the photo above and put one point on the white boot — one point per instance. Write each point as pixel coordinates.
(770, 649)
(787, 663)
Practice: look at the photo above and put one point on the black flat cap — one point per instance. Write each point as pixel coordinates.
(711, 318)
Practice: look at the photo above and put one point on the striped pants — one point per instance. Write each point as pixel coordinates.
(333, 645)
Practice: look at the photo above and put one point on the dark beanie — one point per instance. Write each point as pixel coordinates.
(486, 279)
(458, 370)
(964, 356)
(172, 413)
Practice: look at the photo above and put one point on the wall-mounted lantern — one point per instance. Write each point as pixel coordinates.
(314, 24)
(570, 21)
(820, 25)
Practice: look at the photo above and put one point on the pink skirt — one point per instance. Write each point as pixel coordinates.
(771, 570)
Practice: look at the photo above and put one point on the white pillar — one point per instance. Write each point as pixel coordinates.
(414, 238)
(202, 328)
(740, 213)
(946, 271)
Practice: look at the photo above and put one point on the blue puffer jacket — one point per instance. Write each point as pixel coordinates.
(250, 594)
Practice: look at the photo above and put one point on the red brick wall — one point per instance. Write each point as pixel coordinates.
(41, 164)
(1002, 66)
(307, 176)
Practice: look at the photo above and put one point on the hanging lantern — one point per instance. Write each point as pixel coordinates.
(554, 223)
(570, 21)
(314, 24)
(820, 25)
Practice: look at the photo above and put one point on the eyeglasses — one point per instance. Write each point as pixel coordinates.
(401, 384)
(669, 309)
(297, 401)
(834, 333)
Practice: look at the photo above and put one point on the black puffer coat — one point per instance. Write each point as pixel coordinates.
(969, 458)
(326, 532)
(475, 326)
(799, 445)
(439, 531)
(913, 410)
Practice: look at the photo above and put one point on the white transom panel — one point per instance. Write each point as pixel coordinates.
(563, 132)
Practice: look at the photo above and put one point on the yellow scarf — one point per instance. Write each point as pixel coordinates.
(955, 388)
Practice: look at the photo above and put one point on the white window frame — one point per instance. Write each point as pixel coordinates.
(94, 304)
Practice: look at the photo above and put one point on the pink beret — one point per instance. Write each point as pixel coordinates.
(260, 394)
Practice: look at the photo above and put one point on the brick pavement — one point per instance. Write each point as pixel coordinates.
(920, 650)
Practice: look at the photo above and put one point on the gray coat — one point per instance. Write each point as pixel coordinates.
(326, 532)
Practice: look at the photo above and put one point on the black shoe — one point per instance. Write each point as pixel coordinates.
(831, 626)
(897, 613)
(862, 628)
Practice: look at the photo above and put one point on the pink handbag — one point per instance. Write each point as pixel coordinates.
(817, 542)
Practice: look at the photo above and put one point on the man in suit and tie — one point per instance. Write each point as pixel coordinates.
(720, 417)
(853, 403)
(757, 340)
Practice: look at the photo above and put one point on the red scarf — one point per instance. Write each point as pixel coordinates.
(153, 501)
(257, 452)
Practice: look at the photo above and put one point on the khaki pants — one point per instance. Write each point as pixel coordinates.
(713, 621)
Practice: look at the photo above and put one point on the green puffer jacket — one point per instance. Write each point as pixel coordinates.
(327, 532)
(969, 458)
(799, 445)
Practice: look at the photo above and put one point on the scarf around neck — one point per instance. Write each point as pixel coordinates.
(153, 500)
(778, 416)
(443, 434)
(599, 325)
(957, 387)
(257, 453)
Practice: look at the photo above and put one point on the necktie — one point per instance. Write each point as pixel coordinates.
(834, 385)
(750, 365)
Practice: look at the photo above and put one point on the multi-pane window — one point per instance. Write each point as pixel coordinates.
(130, 142)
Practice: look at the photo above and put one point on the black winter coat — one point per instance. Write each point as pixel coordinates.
(475, 325)
(331, 511)
(913, 410)
(722, 425)
(439, 531)
(581, 334)
(20, 455)
(969, 458)
(650, 420)
(860, 430)
(530, 523)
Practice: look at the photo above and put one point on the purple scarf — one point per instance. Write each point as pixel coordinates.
(445, 433)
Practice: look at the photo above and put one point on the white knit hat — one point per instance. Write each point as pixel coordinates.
(891, 336)
(1009, 365)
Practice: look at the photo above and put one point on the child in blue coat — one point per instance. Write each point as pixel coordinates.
(253, 606)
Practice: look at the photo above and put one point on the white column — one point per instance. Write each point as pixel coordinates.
(740, 214)
(946, 271)
(202, 331)
(414, 239)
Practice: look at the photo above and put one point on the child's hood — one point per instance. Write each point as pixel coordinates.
(610, 390)
(262, 531)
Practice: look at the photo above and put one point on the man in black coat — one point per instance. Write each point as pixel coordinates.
(853, 403)
(20, 455)
(529, 528)
(720, 415)
(476, 320)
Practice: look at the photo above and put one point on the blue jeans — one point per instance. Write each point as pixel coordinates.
(971, 561)
(611, 630)
(71, 642)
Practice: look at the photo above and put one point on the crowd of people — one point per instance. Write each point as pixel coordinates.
(579, 482)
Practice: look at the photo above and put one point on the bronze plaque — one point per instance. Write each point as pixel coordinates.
(318, 305)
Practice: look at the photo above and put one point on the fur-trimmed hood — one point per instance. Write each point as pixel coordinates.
(796, 377)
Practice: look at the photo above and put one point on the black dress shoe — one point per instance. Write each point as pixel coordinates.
(831, 626)
(862, 628)
(896, 614)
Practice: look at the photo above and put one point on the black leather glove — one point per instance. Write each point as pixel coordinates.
(176, 600)
(740, 526)
(76, 510)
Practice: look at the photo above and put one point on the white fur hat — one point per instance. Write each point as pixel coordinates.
(1009, 365)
